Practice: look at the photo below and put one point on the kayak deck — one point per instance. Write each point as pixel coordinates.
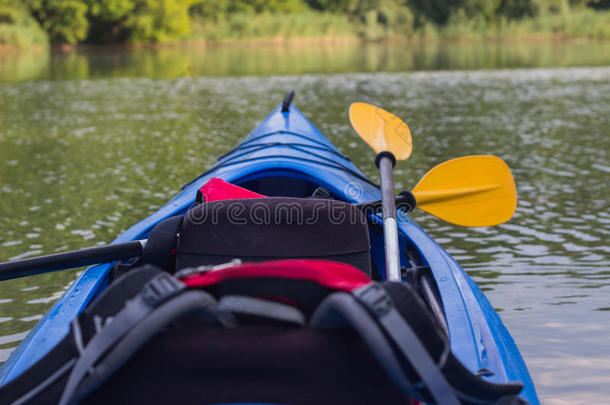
(286, 155)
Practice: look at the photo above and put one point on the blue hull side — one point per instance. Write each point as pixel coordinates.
(287, 144)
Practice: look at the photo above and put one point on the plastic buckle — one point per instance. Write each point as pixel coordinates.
(375, 298)
(160, 288)
(189, 271)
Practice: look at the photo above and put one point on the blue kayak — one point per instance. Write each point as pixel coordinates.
(287, 146)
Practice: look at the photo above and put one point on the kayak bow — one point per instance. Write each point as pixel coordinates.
(287, 155)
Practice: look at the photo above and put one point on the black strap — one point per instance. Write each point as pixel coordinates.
(190, 302)
(45, 384)
(341, 310)
(321, 193)
(35, 381)
(158, 290)
(374, 297)
(371, 312)
(113, 298)
(85, 377)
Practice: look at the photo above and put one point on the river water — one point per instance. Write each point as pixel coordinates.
(92, 142)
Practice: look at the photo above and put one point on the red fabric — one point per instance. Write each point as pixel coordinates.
(217, 189)
(333, 275)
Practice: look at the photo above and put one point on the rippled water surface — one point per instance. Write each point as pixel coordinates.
(81, 160)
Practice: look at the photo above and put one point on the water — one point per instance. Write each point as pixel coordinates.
(301, 58)
(84, 157)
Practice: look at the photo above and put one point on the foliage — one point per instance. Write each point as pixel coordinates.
(74, 21)
(599, 4)
(159, 20)
(243, 26)
(381, 18)
(217, 10)
(18, 28)
(110, 10)
(333, 6)
(63, 20)
(26, 22)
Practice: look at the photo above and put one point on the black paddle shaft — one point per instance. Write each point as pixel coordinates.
(385, 161)
(69, 260)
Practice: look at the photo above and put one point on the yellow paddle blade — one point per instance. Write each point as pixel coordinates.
(382, 130)
(468, 191)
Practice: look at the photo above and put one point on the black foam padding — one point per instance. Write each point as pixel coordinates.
(274, 228)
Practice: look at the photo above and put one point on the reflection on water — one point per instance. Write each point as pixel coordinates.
(82, 160)
(241, 60)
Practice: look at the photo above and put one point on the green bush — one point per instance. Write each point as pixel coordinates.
(159, 20)
(242, 26)
(25, 22)
(214, 8)
(580, 23)
(63, 20)
(111, 10)
(19, 29)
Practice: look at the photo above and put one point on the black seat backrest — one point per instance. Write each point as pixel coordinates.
(212, 340)
(273, 228)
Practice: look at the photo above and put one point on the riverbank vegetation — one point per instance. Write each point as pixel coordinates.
(29, 23)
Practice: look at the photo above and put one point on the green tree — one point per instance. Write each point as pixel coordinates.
(377, 18)
(63, 20)
(437, 11)
(486, 9)
(599, 4)
(159, 20)
(74, 21)
(550, 6)
(107, 20)
(516, 9)
(111, 10)
(215, 8)
(18, 28)
(334, 6)
(104, 21)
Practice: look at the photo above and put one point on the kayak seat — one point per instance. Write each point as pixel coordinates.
(263, 229)
(276, 365)
(292, 331)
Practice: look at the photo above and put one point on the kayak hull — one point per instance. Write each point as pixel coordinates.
(287, 145)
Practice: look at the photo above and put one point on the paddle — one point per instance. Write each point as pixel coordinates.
(69, 260)
(467, 191)
(390, 137)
